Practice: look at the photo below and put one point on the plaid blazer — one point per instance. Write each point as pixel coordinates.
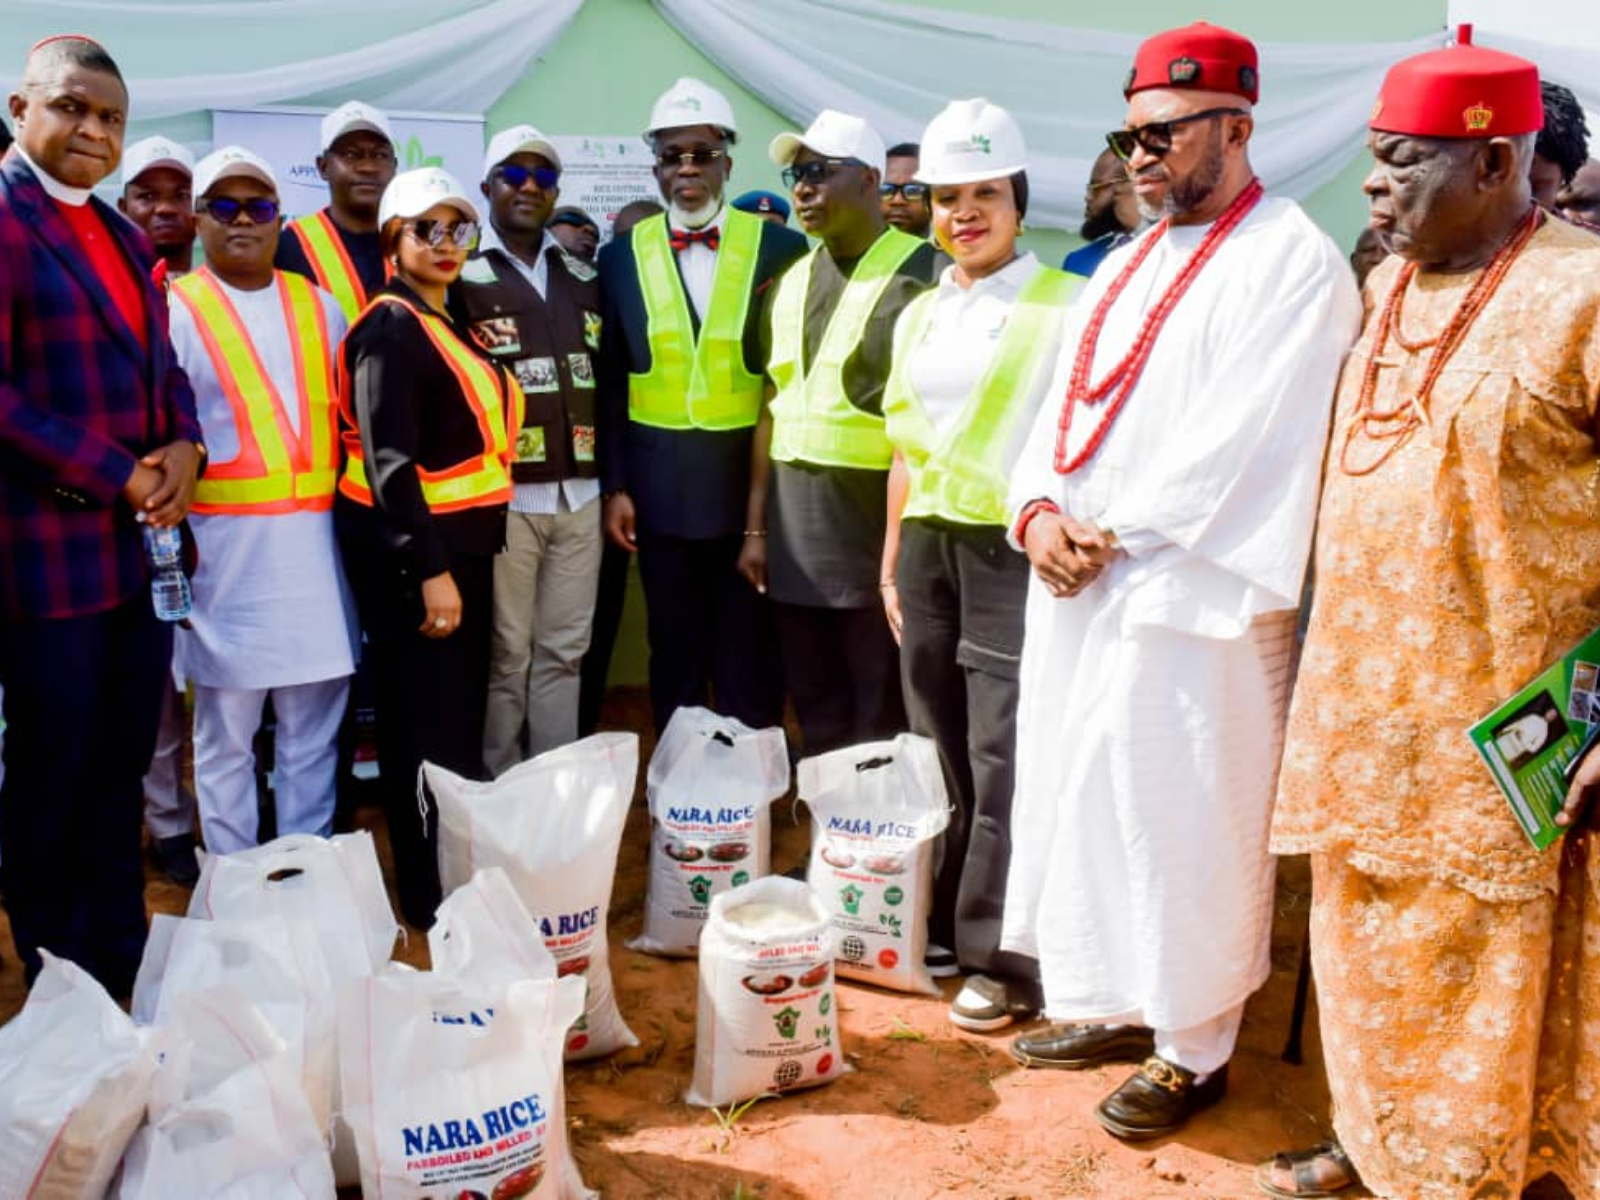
(80, 400)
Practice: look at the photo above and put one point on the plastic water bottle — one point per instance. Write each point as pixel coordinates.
(169, 586)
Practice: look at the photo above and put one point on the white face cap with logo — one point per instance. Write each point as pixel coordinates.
(690, 102)
(832, 135)
(519, 139)
(153, 152)
(969, 141)
(412, 193)
(230, 162)
(354, 117)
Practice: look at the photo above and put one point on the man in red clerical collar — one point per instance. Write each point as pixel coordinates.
(97, 435)
(1165, 501)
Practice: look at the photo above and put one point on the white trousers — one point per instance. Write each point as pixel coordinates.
(544, 589)
(168, 805)
(305, 768)
(1200, 1048)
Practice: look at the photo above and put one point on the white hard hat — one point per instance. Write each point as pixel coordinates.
(155, 152)
(412, 193)
(971, 140)
(228, 162)
(690, 102)
(835, 135)
(354, 117)
(519, 139)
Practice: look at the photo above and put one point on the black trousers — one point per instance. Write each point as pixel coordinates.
(708, 626)
(843, 671)
(430, 695)
(82, 705)
(608, 604)
(962, 592)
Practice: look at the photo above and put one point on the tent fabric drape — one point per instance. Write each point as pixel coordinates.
(899, 64)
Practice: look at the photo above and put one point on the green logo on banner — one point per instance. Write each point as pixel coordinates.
(416, 156)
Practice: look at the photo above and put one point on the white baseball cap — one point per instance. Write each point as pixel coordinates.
(834, 134)
(690, 102)
(412, 193)
(519, 139)
(971, 140)
(154, 152)
(354, 117)
(228, 162)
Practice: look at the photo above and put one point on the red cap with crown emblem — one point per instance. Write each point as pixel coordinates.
(1206, 57)
(1462, 91)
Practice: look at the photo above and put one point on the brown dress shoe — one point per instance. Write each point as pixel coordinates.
(1080, 1047)
(1158, 1099)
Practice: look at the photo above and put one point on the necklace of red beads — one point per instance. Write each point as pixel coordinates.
(1392, 428)
(1118, 382)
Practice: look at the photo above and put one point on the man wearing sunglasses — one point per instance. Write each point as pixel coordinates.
(272, 615)
(905, 201)
(681, 384)
(337, 247)
(1165, 501)
(536, 307)
(821, 491)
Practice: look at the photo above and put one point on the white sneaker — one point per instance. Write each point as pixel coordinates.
(941, 963)
(986, 1005)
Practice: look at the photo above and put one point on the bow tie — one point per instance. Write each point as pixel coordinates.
(682, 239)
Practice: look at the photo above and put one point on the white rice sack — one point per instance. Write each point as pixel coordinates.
(457, 1091)
(554, 825)
(228, 1117)
(482, 935)
(711, 784)
(74, 1078)
(766, 1020)
(875, 812)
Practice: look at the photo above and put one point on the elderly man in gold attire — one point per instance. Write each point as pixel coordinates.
(1458, 554)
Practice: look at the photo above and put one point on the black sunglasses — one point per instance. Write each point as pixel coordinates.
(910, 191)
(226, 209)
(516, 177)
(460, 234)
(698, 158)
(816, 170)
(1156, 137)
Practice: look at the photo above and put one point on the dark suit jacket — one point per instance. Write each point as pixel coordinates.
(80, 400)
(690, 483)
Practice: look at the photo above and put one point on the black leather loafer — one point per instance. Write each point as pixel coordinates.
(1158, 1099)
(1080, 1047)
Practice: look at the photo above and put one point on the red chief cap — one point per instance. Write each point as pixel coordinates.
(1462, 91)
(1201, 56)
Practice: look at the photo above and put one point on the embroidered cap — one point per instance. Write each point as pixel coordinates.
(152, 152)
(228, 162)
(412, 193)
(1462, 91)
(1201, 56)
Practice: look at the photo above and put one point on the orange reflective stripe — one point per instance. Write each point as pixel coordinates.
(277, 469)
(496, 401)
(331, 263)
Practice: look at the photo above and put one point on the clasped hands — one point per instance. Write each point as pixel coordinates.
(1067, 555)
(161, 487)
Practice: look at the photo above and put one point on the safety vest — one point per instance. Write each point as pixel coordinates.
(961, 475)
(496, 403)
(278, 469)
(812, 418)
(330, 261)
(696, 383)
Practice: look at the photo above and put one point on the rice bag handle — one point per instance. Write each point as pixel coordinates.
(874, 764)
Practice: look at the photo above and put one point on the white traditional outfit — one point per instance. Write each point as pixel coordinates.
(272, 612)
(1153, 702)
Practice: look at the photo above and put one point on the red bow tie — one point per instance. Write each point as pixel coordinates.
(682, 239)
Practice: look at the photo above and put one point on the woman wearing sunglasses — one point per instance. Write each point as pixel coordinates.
(428, 418)
(971, 362)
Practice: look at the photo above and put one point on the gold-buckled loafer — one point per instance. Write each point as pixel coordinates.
(1080, 1047)
(1158, 1099)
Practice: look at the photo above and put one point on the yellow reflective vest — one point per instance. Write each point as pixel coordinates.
(961, 475)
(330, 261)
(812, 418)
(696, 383)
(278, 469)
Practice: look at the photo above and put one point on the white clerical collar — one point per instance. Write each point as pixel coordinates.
(715, 221)
(1010, 277)
(71, 196)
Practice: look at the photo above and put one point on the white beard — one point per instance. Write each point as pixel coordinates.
(697, 218)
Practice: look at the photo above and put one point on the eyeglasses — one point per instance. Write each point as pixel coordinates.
(815, 171)
(698, 158)
(225, 209)
(460, 234)
(352, 155)
(909, 191)
(1119, 181)
(516, 177)
(1156, 137)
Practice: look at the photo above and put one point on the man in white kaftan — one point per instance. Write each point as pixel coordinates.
(1155, 672)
